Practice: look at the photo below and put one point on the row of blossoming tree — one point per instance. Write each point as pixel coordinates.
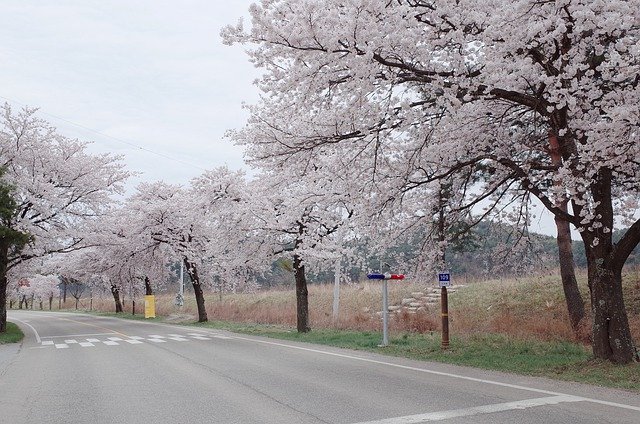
(454, 106)
(380, 121)
(62, 227)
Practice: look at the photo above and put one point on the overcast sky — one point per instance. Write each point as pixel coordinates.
(152, 73)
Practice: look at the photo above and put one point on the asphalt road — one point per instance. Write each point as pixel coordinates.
(83, 369)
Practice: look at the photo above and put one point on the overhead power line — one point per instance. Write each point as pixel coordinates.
(119, 140)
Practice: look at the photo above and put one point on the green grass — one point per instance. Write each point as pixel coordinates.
(12, 335)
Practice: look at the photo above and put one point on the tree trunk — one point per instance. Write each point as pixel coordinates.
(611, 336)
(4, 262)
(192, 271)
(575, 304)
(148, 291)
(115, 291)
(302, 296)
(50, 301)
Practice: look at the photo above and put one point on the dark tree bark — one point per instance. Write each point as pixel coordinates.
(573, 298)
(115, 291)
(302, 296)
(611, 335)
(148, 291)
(4, 261)
(572, 295)
(192, 271)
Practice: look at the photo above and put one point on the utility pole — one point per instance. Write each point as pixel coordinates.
(336, 290)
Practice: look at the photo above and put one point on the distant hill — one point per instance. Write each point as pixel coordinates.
(490, 249)
(494, 253)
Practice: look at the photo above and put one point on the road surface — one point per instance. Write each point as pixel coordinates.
(74, 368)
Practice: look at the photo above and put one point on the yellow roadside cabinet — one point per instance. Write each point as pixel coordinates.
(150, 306)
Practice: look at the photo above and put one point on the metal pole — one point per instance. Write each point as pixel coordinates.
(385, 314)
(181, 289)
(444, 304)
(336, 290)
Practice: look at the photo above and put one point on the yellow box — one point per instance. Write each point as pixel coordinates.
(150, 306)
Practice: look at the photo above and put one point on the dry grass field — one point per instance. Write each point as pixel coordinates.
(527, 307)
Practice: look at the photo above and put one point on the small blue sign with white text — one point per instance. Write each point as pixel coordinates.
(444, 279)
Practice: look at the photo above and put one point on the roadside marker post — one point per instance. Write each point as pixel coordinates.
(385, 301)
(444, 280)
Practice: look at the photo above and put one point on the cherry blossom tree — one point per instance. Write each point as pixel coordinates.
(44, 287)
(56, 188)
(296, 221)
(196, 223)
(539, 100)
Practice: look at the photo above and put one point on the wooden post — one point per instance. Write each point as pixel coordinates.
(444, 304)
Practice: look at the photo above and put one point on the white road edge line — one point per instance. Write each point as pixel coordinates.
(31, 327)
(476, 410)
(444, 374)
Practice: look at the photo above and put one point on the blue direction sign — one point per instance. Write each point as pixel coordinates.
(444, 279)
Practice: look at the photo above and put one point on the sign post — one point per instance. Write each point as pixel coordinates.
(444, 280)
(385, 301)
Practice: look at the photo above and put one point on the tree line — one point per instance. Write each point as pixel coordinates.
(380, 124)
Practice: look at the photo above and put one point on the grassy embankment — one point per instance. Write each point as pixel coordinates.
(12, 335)
(513, 325)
